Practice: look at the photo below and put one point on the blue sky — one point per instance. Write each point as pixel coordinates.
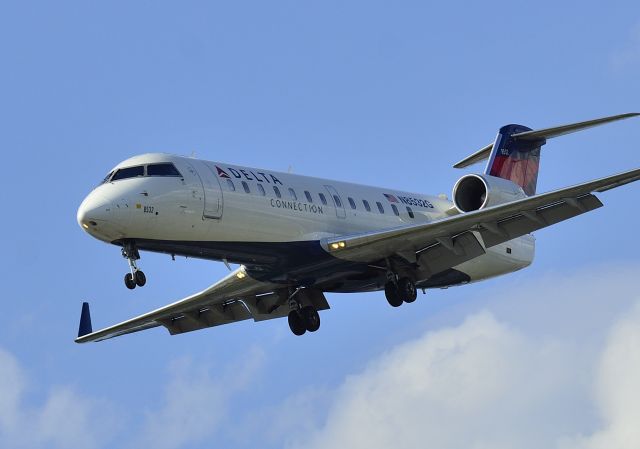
(384, 93)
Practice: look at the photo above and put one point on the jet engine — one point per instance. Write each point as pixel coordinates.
(474, 192)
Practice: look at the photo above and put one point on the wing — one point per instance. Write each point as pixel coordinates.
(234, 298)
(448, 242)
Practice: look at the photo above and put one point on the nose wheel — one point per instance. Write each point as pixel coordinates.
(135, 277)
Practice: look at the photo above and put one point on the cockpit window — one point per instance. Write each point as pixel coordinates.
(106, 178)
(166, 169)
(163, 169)
(129, 172)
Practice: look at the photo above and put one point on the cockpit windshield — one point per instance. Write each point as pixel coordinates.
(128, 172)
(160, 169)
(107, 178)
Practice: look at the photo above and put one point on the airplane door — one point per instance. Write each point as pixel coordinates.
(337, 201)
(212, 190)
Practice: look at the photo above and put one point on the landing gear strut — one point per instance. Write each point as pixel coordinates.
(135, 276)
(302, 319)
(400, 290)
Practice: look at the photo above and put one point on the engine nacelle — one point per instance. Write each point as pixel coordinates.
(474, 192)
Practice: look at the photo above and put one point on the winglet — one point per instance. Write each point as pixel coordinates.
(85, 321)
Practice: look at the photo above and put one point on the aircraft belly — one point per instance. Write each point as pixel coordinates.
(501, 259)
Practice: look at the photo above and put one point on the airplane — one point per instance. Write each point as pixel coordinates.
(296, 238)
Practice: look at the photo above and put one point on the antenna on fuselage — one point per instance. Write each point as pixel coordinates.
(290, 169)
(226, 264)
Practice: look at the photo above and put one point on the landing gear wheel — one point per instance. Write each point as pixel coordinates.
(141, 279)
(392, 294)
(135, 276)
(311, 318)
(407, 290)
(129, 282)
(296, 323)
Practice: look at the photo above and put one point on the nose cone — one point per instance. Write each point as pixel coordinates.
(93, 210)
(101, 217)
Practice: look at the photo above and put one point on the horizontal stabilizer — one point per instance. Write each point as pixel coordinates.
(480, 155)
(557, 131)
(547, 133)
(85, 321)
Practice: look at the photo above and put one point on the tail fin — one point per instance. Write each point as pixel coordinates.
(517, 160)
(515, 155)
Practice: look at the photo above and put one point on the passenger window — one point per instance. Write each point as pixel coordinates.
(245, 186)
(129, 172)
(261, 190)
(163, 170)
(277, 191)
(352, 203)
(323, 198)
(395, 210)
(232, 187)
(366, 205)
(308, 195)
(336, 198)
(410, 212)
(380, 208)
(293, 195)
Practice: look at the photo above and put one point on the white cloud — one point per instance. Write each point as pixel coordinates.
(628, 55)
(65, 419)
(504, 382)
(300, 413)
(194, 405)
(195, 402)
(618, 389)
(11, 389)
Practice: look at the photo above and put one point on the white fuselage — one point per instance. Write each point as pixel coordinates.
(264, 218)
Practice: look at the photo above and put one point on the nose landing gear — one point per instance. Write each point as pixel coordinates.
(135, 276)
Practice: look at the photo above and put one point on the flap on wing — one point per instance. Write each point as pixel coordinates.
(213, 315)
(526, 222)
(447, 253)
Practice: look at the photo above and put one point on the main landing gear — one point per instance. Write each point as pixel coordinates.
(302, 319)
(135, 276)
(400, 290)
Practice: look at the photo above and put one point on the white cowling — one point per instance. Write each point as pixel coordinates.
(474, 192)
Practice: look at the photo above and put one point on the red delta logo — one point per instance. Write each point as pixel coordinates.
(248, 174)
(222, 173)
